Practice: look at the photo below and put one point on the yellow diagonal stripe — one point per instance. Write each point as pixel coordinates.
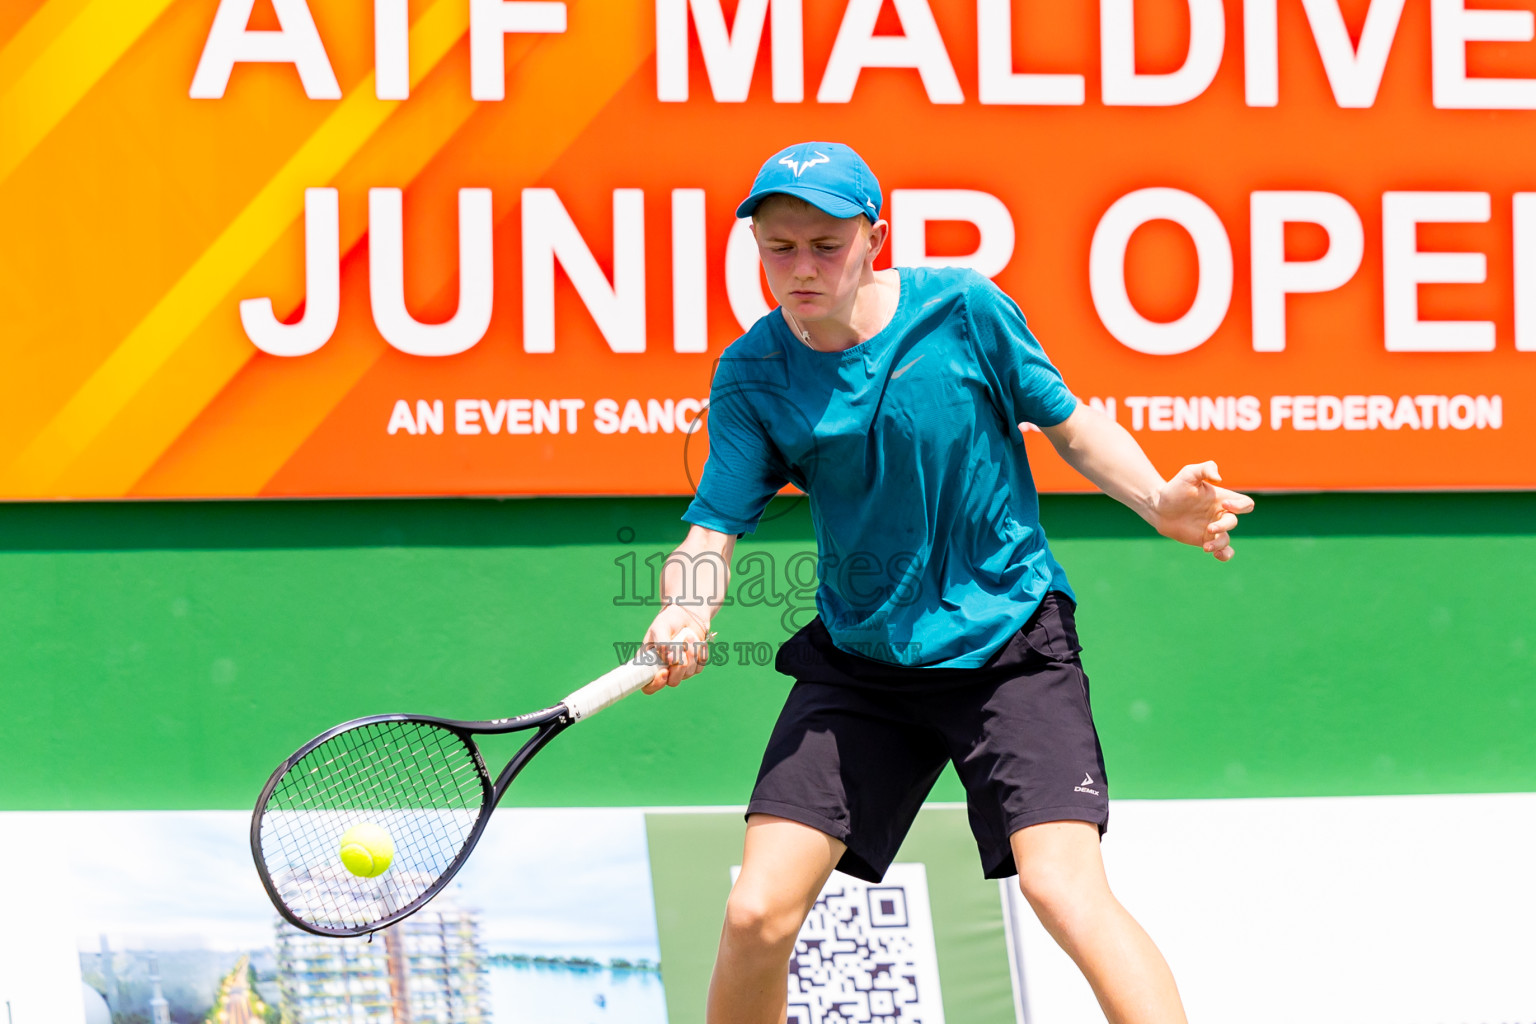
(238, 450)
(224, 263)
(30, 40)
(65, 68)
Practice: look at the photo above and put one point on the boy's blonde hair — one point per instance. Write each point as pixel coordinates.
(781, 199)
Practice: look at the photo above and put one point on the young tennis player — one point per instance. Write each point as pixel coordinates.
(945, 629)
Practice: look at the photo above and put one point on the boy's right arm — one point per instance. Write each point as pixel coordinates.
(693, 584)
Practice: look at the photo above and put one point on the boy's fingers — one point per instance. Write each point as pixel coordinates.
(1226, 521)
(675, 656)
(679, 673)
(1193, 474)
(1235, 502)
(680, 655)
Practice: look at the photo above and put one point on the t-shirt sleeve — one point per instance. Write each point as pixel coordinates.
(1028, 386)
(744, 470)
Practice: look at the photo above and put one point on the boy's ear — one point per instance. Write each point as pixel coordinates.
(879, 233)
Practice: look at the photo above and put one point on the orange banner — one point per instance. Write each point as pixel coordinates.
(278, 247)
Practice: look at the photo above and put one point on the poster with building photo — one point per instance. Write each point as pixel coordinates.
(550, 921)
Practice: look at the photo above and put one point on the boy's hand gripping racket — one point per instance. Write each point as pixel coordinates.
(421, 780)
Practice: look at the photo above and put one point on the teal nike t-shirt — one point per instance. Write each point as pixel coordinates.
(908, 448)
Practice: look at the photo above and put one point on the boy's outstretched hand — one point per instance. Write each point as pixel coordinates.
(1194, 509)
(1191, 507)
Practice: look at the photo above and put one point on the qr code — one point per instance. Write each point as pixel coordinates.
(866, 954)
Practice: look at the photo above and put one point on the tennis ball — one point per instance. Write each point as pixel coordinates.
(367, 850)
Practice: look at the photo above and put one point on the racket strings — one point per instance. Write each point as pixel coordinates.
(419, 782)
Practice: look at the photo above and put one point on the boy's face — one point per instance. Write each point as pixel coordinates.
(814, 261)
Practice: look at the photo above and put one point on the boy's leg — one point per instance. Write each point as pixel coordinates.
(1061, 873)
(783, 868)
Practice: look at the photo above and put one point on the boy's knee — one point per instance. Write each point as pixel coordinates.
(1056, 889)
(754, 918)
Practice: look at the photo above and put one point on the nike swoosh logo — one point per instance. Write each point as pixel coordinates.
(898, 372)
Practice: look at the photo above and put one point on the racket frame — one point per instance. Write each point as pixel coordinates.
(549, 722)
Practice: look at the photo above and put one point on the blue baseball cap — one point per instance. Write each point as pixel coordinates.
(828, 175)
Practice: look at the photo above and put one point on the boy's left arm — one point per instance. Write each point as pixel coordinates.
(1191, 507)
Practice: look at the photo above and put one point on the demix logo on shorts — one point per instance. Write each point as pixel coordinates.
(1082, 787)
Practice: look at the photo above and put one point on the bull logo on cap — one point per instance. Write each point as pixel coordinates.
(801, 166)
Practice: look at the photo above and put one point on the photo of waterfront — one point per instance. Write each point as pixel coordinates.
(552, 920)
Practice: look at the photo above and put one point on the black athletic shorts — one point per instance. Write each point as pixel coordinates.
(860, 742)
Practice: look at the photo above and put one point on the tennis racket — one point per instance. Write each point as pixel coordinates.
(419, 778)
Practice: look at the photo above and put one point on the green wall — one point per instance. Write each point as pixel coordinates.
(168, 655)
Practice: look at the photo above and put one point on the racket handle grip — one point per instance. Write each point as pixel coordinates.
(610, 688)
